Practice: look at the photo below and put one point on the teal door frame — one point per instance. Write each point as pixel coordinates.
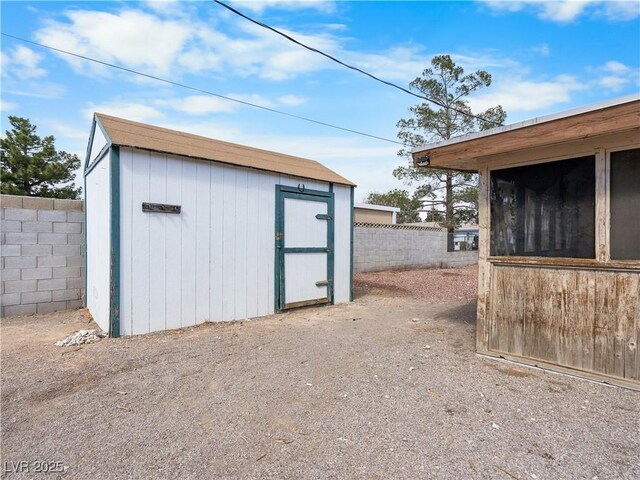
(301, 193)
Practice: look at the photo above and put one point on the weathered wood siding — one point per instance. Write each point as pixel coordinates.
(215, 260)
(579, 318)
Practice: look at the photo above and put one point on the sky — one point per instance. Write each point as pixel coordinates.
(544, 57)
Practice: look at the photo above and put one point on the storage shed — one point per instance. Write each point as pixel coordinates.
(183, 229)
(559, 247)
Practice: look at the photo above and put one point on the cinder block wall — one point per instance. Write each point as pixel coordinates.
(42, 265)
(390, 247)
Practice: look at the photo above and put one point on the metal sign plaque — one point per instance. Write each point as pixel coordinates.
(160, 208)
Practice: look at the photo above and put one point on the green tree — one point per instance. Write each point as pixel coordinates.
(454, 194)
(31, 166)
(408, 205)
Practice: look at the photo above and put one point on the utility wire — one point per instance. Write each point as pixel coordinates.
(340, 62)
(195, 89)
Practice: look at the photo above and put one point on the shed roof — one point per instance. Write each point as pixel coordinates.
(126, 133)
(619, 115)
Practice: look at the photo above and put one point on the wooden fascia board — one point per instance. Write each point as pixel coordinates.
(462, 155)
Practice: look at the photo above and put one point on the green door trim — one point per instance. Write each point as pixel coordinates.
(114, 281)
(306, 249)
(283, 192)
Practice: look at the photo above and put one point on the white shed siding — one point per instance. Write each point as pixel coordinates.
(215, 260)
(157, 228)
(342, 244)
(98, 143)
(98, 242)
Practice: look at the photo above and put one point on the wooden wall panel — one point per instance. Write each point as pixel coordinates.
(342, 244)
(578, 318)
(188, 217)
(216, 243)
(484, 268)
(228, 243)
(253, 245)
(157, 229)
(98, 230)
(173, 246)
(265, 199)
(240, 225)
(203, 230)
(126, 245)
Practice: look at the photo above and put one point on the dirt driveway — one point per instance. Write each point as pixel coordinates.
(386, 387)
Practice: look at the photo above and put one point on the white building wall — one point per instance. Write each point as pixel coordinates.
(215, 260)
(97, 206)
(99, 142)
(342, 244)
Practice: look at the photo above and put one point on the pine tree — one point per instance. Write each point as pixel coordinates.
(456, 193)
(31, 166)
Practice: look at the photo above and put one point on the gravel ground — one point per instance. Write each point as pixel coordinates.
(428, 284)
(385, 387)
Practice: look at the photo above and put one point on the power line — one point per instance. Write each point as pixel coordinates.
(195, 89)
(351, 67)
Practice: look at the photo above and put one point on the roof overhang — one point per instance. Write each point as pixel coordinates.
(462, 153)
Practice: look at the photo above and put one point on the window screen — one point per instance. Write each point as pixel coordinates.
(625, 205)
(545, 210)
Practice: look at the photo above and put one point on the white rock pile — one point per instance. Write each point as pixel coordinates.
(81, 337)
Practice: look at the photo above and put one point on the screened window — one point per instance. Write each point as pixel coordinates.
(625, 205)
(545, 210)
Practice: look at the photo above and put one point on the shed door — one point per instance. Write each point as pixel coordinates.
(304, 247)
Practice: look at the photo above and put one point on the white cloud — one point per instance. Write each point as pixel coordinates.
(335, 26)
(207, 104)
(614, 66)
(68, 131)
(395, 64)
(171, 8)
(131, 111)
(132, 38)
(198, 105)
(558, 10)
(564, 11)
(254, 98)
(7, 106)
(147, 42)
(257, 51)
(620, 10)
(518, 95)
(32, 89)
(614, 76)
(259, 6)
(22, 63)
(542, 49)
(291, 100)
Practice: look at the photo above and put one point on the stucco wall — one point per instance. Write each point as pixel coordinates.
(385, 248)
(42, 264)
(366, 215)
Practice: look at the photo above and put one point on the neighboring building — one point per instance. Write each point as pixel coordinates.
(381, 214)
(559, 252)
(183, 229)
(466, 237)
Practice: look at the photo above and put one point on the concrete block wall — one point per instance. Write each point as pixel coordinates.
(391, 247)
(42, 254)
